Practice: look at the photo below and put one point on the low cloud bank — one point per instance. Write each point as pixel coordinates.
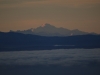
(63, 57)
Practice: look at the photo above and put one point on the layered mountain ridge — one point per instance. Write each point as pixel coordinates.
(50, 30)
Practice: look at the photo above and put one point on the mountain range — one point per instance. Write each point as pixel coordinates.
(12, 41)
(50, 30)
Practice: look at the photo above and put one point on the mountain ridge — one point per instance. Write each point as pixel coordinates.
(13, 41)
(50, 30)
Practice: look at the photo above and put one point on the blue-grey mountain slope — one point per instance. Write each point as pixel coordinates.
(50, 30)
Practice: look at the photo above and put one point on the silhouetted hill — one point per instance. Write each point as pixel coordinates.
(50, 30)
(19, 41)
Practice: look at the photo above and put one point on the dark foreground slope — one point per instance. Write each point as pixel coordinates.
(17, 41)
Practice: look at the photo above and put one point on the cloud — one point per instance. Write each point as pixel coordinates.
(31, 3)
(63, 57)
(18, 3)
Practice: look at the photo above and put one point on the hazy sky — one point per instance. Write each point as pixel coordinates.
(72, 14)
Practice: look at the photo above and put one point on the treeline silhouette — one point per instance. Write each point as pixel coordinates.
(11, 41)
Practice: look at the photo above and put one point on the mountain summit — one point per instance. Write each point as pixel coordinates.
(50, 30)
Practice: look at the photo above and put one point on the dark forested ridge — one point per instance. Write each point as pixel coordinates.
(18, 41)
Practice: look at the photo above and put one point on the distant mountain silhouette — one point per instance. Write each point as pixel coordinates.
(18, 41)
(50, 30)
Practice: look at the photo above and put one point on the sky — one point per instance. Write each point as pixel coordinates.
(71, 14)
